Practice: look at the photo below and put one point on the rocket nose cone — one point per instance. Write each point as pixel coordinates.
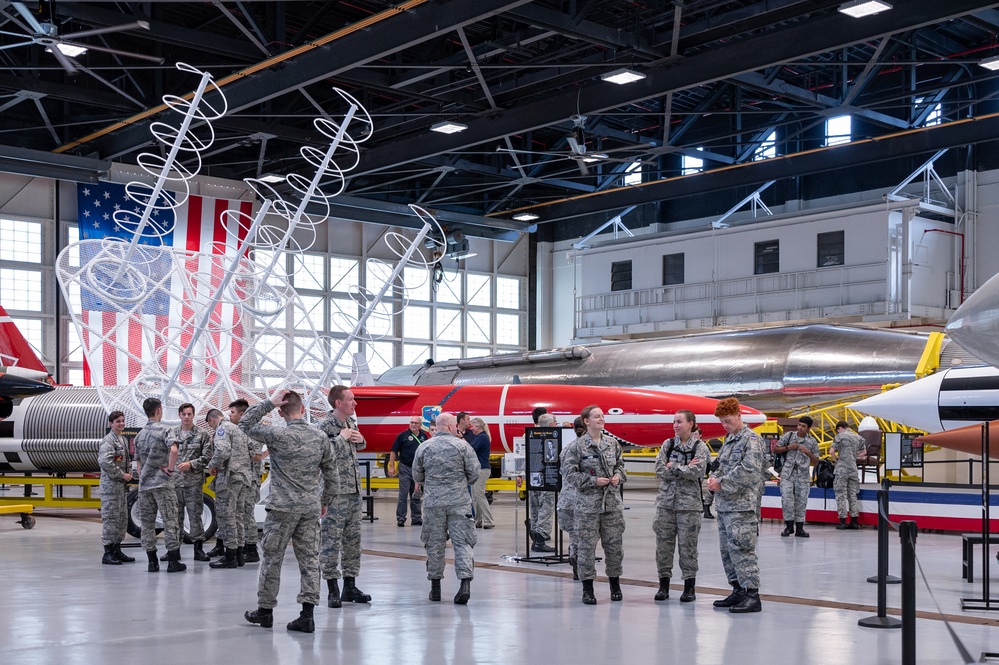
(19, 386)
(914, 404)
(975, 324)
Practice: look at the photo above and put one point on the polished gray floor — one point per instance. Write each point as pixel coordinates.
(60, 606)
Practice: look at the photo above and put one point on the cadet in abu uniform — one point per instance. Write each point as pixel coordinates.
(116, 467)
(567, 503)
(302, 479)
(737, 487)
(341, 527)
(845, 448)
(680, 466)
(800, 451)
(446, 465)
(231, 466)
(594, 466)
(194, 450)
(250, 500)
(157, 460)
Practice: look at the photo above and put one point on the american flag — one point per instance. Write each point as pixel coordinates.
(199, 227)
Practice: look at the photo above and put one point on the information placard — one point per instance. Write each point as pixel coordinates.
(544, 446)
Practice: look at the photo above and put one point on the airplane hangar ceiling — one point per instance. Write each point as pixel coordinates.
(544, 133)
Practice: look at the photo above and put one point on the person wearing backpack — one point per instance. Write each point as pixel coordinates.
(800, 451)
(845, 448)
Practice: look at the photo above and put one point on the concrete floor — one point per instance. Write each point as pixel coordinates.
(60, 606)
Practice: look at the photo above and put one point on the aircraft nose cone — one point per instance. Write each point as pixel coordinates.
(19, 386)
(915, 404)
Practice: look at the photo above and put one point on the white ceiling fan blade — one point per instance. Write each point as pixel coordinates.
(7, 46)
(29, 17)
(141, 25)
(575, 146)
(13, 34)
(104, 49)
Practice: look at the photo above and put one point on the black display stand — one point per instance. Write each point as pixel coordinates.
(985, 602)
(542, 472)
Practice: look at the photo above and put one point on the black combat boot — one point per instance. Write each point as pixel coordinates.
(464, 592)
(199, 551)
(750, 603)
(109, 558)
(175, 565)
(228, 561)
(165, 557)
(435, 590)
(588, 597)
(240, 557)
(842, 524)
(305, 623)
(574, 562)
(262, 615)
(799, 532)
(615, 588)
(351, 594)
(121, 556)
(250, 553)
(733, 598)
(854, 525)
(154, 564)
(333, 599)
(663, 593)
(688, 591)
(539, 544)
(219, 548)
(707, 512)
(788, 529)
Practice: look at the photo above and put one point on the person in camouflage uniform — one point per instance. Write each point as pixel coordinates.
(116, 467)
(680, 467)
(157, 460)
(737, 488)
(800, 451)
(194, 450)
(341, 528)
(594, 466)
(446, 465)
(233, 450)
(252, 497)
(567, 503)
(302, 482)
(845, 448)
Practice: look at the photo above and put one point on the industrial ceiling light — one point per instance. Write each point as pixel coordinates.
(525, 217)
(990, 63)
(622, 76)
(448, 127)
(272, 178)
(862, 8)
(71, 50)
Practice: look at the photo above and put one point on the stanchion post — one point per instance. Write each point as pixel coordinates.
(882, 579)
(907, 534)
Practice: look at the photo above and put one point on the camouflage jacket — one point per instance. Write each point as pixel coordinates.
(585, 462)
(231, 457)
(740, 472)
(194, 446)
(302, 471)
(847, 446)
(114, 459)
(680, 485)
(796, 462)
(347, 477)
(446, 465)
(152, 451)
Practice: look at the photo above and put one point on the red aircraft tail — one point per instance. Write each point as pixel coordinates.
(14, 349)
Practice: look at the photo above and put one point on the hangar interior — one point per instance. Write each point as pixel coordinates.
(770, 162)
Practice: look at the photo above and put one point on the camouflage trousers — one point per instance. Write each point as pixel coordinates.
(193, 500)
(737, 542)
(114, 514)
(566, 520)
(794, 497)
(164, 501)
(250, 501)
(406, 499)
(303, 533)
(229, 513)
(541, 507)
(341, 537)
(674, 527)
(483, 513)
(847, 486)
(438, 523)
(608, 528)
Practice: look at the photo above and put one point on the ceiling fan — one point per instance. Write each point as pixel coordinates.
(64, 47)
(576, 140)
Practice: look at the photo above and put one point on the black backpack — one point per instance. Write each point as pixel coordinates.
(823, 474)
